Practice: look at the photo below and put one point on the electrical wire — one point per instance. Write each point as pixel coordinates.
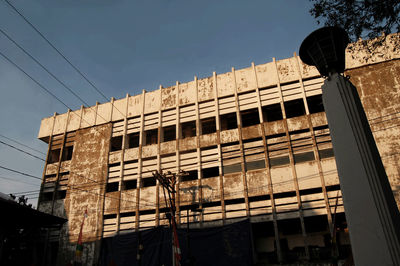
(19, 143)
(43, 67)
(59, 52)
(18, 181)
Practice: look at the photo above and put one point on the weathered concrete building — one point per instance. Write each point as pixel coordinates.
(254, 141)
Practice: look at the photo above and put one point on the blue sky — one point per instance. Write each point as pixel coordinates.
(124, 47)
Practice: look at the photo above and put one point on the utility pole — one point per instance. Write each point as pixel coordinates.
(168, 181)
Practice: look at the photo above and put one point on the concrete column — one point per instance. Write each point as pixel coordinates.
(371, 212)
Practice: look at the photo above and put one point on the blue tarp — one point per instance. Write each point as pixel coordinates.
(226, 245)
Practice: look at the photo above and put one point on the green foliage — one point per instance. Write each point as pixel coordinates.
(361, 19)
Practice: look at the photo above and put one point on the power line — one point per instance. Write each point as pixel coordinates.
(50, 73)
(11, 146)
(18, 181)
(43, 67)
(58, 51)
(42, 86)
(21, 173)
(34, 80)
(26, 146)
(62, 55)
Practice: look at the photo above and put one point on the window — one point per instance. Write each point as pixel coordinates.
(109, 216)
(130, 184)
(228, 169)
(47, 196)
(151, 136)
(250, 117)
(304, 157)
(326, 153)
(127, 214)
(61, 194)
(191, 175)
(277, 161)
(116, 143)
(294, 108)
(111, 187)
(50, 176)
(210, 172)
(272, 112)
(149, 182)
(315, 104)
(54, 156)
(228, 121)
(67, 153)
(188, 129)
(208, 126)
(260, 164)
(133, 140)
(169, 133)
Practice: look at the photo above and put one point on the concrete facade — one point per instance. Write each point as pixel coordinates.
(255, 142)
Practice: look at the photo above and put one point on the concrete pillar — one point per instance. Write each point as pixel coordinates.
(371, 211)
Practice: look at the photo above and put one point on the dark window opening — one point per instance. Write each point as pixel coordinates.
(315, 104)
(272, 112)
(310, 191)
(130, 184)
(260, 164)
(67, 153)
(263, 229)
(332, 188)
(64, 176)
(210, 172)
(208, 126)
(211, 204)
(228, 121)
(234, 201)
(109, 216)
(151, 136)
(321, 127)
(228, 169)
(208, 148)
(188, 129)
(54, 156)
(326, 153)
(47, 196)
(304, 157)
(189, 207)
(289, 226)
(116, 143)
(127, 214)
(190, 175)
(230, 144)
(61, 194)
(300, 131)
(277, 161)
(294, 108)
(113, 164)
(50, 176)
(133, 140)
(148, 182)
(285, 194)
(111, 187)
(276, 136)
(169, 133)
(259, 198)
(250, 117)
(316, 223)
(144, 212)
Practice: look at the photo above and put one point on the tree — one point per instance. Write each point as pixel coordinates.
(360, 18)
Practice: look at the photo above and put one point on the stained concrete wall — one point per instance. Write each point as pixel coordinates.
(379, 88)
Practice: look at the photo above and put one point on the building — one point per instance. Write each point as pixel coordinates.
(254, 142)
